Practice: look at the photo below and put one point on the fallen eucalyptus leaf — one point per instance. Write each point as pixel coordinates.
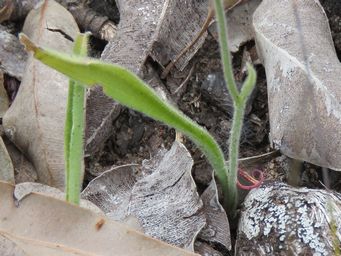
(45, 226)
(277, 219)
(26, 188)
(10, 248)
(179, 24)
(205, 249)
(144, 29)
(239, 20)
(4, 102)
(304, 91)
(23, 169)
(13, 57)
(217, 229)
(101, 112)
(35, 121)
(6, 166)
(164, 199)
(111, 191)
(138, 22)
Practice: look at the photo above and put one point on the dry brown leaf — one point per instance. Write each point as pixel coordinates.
(277, 219)
(45, 226)
(304, 91)
(35, 121)
(164, 200)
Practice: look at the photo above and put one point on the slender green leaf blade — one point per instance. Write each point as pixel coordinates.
(129, 90)
(74, 130)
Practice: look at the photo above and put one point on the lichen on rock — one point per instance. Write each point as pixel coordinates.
(278, 219)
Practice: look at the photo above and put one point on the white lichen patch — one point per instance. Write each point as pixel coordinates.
(288, 219)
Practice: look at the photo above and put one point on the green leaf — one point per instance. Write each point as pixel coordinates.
(126, 88)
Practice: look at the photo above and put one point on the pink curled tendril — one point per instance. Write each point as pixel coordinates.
(256, 179)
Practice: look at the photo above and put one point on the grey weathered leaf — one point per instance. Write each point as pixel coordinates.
(277, 219)
(26, 188)
(45, 226)
(4, 102)
(6, 166)
(10, 248)
(144, 30)
(13, 57)
(303, 86)
(217, 229)
(23, 169)
(35, 121)
(239, 22)
(164, 200)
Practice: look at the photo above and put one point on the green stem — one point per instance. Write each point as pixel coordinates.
(237, 125)
(74, 130)
(239, 100)
(224, 50)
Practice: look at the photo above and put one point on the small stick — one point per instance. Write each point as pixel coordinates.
(228, 4)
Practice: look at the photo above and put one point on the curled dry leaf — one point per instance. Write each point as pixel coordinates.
(277, 219)
(164, 200)
(35, 121)
(54, 227)
(217, 229)
(303, 76)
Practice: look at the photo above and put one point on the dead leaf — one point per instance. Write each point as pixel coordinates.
(304, 105)
(42, 225)
(10, 248)
(101, 112)
(26, 188)
(35, 121)
(6, 166)
(179, 24)
(130, 48)
(239, 24)
(13, 57)
(217, 229)
(281, 220)
(164, 200)
(4, 102)
(23, 169)
(205, 249)
(144, 30)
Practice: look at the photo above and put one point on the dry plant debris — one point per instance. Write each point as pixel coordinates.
(42, 225)
(153, 197)
(303, 81)
(35, 120)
